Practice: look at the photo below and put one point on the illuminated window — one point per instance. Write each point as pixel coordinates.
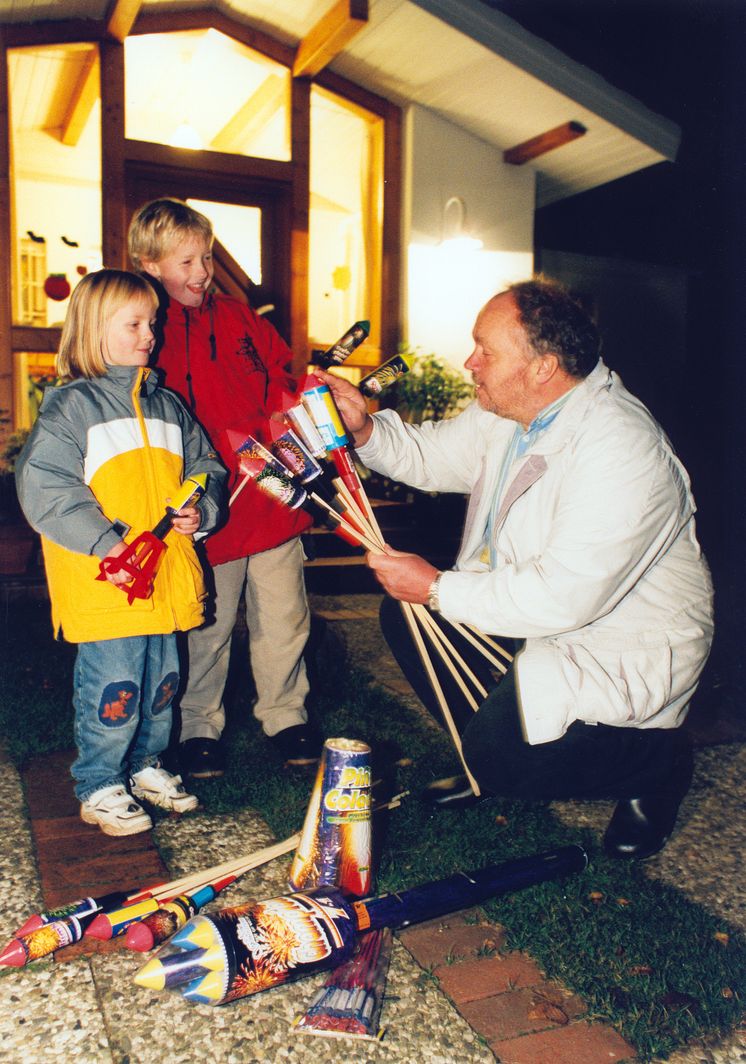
(345, 230)
(201, 89)
(239, 230)
(32, 272)
(55, 176)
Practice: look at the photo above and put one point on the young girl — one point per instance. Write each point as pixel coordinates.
(107, 452)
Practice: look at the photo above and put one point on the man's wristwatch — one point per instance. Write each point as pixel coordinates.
(433, 594)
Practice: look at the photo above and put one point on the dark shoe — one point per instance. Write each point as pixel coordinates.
(453, 792)
(201, 758)
(641, 827)
(298, 745)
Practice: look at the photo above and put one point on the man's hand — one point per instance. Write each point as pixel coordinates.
(187, 521)
(405, 577)
(351, 405)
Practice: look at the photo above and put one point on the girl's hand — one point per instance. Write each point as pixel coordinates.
(118, 576)
(187, 521)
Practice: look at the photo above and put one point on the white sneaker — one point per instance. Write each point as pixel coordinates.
(115, 811)
(160, 788)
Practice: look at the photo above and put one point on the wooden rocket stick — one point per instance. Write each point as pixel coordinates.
(450, 656)
(349, 529)
(351, 504)
(235, 867)
(243, 864)
(438, 690)
(465, 632)
(242, 484)
(490, 642)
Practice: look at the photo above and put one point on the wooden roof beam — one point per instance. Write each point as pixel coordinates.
(553, 138)
(82, 99)
(329, 36)
(121, 19)
(252, 116)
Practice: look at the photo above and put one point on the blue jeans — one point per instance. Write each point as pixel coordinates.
(122, 694)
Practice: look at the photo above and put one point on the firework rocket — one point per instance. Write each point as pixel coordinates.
(319, 402)
(345, 345)
(43, 940)
(278, 941)
(156, 927)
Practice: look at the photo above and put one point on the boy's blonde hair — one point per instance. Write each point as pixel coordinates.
(157, 226)
(93, 303)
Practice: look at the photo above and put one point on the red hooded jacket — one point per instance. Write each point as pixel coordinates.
(232, 369)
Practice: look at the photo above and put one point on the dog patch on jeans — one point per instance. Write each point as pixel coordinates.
(118, 703)
(165, 692)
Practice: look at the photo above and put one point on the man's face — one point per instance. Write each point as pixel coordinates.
(500, 363)
(186, 271)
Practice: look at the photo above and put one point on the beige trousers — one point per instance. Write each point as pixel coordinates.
(278, 621)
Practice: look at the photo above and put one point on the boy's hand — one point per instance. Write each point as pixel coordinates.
(187, 521)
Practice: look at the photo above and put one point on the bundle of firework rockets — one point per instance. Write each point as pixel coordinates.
(296, 468)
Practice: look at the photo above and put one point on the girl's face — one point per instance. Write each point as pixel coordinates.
(129, 333)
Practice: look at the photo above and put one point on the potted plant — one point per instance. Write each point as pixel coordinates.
(431, 391)
(16, 536)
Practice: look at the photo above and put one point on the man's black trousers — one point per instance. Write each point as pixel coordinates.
(589, 761)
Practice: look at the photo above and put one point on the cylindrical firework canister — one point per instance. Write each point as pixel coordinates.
(263, 945)
(335, 843)
(320, 404)
(345, 345)
(303, 424)
(385, 375)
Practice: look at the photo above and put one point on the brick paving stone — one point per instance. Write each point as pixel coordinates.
(578, 1043)
(456, 937)
(48, 786)
(486, 976)
(523, 1011)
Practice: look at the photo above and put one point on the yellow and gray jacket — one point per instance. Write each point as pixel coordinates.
(107, 452)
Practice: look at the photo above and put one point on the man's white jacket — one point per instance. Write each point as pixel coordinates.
(598, 566)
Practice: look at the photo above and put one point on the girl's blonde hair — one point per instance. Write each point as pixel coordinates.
(159, 225)
(93, 303)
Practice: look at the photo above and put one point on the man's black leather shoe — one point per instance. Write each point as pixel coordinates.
(201, 758)
(641, 827)
(298, 745)
(453, 792)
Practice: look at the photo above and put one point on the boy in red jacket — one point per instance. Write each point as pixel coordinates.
(232, 368)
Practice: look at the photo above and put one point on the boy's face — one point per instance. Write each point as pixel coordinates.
(186, 270)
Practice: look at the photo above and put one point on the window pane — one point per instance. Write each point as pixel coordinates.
(201, 89)
(345, 221)
(55, 176)
(239, 230)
